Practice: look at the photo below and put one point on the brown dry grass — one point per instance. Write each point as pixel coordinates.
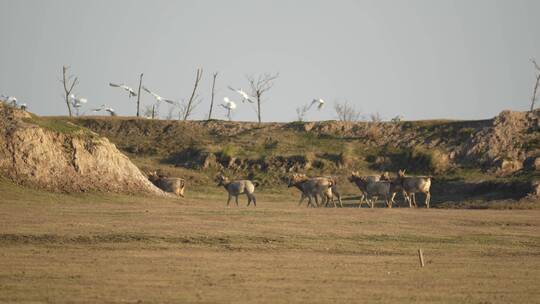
(100, 248)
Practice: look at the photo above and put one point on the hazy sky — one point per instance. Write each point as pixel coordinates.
(421, 59)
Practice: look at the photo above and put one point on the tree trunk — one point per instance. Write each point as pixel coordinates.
(533, 98)
(139, 94)
(259, 108)
(64, 71)
(190, 102)
(212, 100)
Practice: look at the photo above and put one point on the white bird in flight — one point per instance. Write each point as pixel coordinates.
(319, 102)
(244, 95)
(125, 87)
(229, 104)
(77, 102)
(157, 97)
(111, 111)
(100, 108)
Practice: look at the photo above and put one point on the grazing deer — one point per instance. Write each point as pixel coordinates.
(414, 184)
(174, 185)
(312, 188)
(372, 189)
(237, 187)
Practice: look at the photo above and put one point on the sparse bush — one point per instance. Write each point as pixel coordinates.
(301, 112)
(375, 117)
(417, 160)
(432, 160)
(347, 112)
(270, 143)
(347, 157)
(229, 151)
(374, 131)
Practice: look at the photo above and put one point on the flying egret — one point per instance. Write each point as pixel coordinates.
(244, 95)
(125, 87)
(111, 111)
(157, 97)
(319, 102)
(77, 102)
(229, 105)
(99, 109)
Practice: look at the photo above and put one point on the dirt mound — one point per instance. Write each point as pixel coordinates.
(64, 157)
(512, 138)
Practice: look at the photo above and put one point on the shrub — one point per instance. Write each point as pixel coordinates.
(229, 151)
(430, 160)
(347, 157)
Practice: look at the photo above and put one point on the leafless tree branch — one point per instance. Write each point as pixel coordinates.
(139, 94)
(214, 76)
(66, 79)
(301, 112)
(536, 83)
(189, 107)
(347, 112)
(259, 85)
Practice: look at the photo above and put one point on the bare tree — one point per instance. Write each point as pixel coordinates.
(347, 112)
(139, 94)
(535, 90)
(170, 113)
(188, 107)
(150, 111)
(301, 112)
(375, 117)
(260, 85)
(68, 87)
(214, 76)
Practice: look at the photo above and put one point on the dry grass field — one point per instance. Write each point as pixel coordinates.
(107, 248)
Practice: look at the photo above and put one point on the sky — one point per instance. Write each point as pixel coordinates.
(421, 59)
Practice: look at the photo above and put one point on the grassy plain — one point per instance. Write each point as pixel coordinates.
(84, 248)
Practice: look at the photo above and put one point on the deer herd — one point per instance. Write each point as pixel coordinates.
(323, 190)
(372, 188)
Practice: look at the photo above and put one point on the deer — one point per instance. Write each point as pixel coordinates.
(414, 184)
(312, 188)
(174, 185)
(373, 189)
(237, 187)
(354, 179)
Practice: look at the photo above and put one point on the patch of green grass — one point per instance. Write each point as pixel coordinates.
(59, 125)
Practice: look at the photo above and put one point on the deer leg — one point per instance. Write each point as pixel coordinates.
(339, 200)
(428, 199)
(392, 201)
(414, 200)
(249, 199)
(236, 200)
(302, 196)
(388, 202)
(228, 201)
(254, 200)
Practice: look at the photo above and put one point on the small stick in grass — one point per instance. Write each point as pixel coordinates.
(421, 257)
